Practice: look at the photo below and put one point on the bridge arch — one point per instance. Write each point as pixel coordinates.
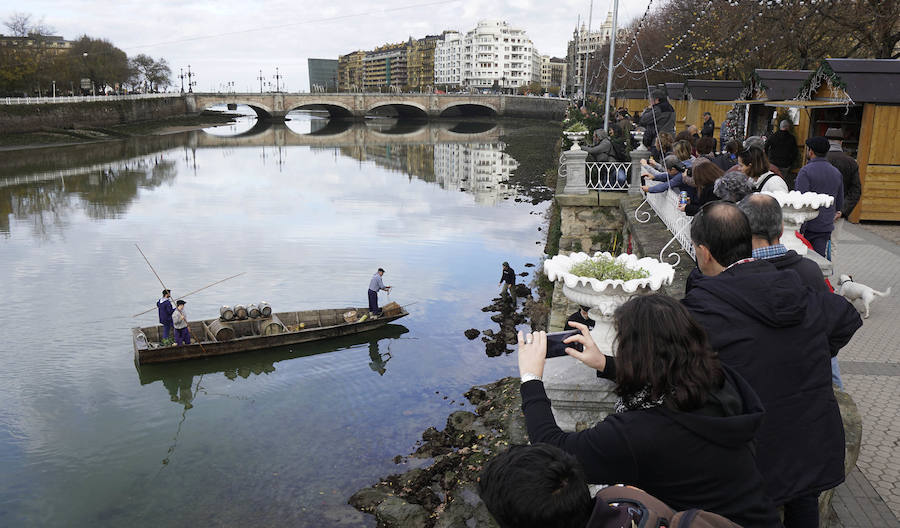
(335, 109)
(403, 108)
(262, 111)
(480, 109)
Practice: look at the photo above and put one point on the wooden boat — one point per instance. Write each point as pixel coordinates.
(219, 338)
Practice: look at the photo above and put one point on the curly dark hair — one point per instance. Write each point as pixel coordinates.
(659, 346)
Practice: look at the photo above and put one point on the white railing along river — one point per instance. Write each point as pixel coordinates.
(82, 98)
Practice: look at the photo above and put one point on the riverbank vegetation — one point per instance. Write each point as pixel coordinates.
(37, 63)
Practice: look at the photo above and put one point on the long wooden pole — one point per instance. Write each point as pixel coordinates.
(164, 287)
(197, 291)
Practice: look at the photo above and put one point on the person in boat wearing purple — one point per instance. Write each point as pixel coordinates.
(179, 320)
(165, 307)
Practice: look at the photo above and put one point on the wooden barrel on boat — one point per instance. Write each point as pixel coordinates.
(264, 309)
(253, 311)
(221, 331)
(271, 326)
(240, 311)
(226, 313)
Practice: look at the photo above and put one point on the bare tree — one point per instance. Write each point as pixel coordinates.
(24, 24)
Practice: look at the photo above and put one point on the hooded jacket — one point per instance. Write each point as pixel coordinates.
(664, 120)
(701, 459)
(602, 149)
(780, 336)
(810, 273)
(165, 307)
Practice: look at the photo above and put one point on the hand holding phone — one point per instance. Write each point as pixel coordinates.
(557, 348)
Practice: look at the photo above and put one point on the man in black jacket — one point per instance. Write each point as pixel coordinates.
(767, 226)
(507, 280)
(779, 335)
(849, 170)
(657, 118)
(782, 148)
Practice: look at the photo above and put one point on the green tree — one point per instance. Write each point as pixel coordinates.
(155, 74)
(99, 61)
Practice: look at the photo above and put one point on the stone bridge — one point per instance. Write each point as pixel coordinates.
(344, 133)
(359, 105)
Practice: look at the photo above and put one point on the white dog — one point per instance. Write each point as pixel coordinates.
(854, 290)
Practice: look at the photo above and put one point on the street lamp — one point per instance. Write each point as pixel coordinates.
(181, 76)
(277, 79)
(191, 82)
(261, 78)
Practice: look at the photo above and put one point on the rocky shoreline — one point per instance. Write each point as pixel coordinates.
(444, 494)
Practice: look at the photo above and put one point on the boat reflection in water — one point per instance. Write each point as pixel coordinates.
(178, 378)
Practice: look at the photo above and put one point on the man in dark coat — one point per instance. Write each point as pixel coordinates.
(849, 170)
(709, 126)
(781, 148)
(821, 177)
(657, 118)
(779, 336)
(767, 226)
(581, 316)
(507, 280)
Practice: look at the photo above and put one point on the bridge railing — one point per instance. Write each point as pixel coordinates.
(82, 98)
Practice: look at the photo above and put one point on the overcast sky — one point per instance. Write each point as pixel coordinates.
(230, 40)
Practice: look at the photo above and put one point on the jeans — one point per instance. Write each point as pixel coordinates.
(819, 241)
(836, 374)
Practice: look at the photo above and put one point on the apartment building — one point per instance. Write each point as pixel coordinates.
(497, 56)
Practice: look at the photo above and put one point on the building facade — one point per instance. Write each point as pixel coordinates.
(53, 44)
(350, 71)
(448, 61)
(498, 57)
(323, 75)
(386, 68)
(553, 73)
(582, 47)
(420, 58)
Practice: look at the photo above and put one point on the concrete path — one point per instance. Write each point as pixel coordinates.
(870, 367)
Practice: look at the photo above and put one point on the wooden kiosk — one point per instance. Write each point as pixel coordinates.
(862, 98)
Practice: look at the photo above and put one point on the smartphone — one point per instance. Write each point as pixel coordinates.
(555, 345)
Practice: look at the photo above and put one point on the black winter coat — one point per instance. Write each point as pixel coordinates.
(780, 336)
(850, 173)
(810, 273)
(782, 148)
(702, 459)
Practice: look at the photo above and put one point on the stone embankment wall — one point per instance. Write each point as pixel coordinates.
(16, 118)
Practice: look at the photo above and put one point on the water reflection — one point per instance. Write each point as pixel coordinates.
(47, 198)
(459, 156)
(178, 378)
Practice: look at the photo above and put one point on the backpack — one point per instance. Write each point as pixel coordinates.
(763, 179)
(646, 511)
(619, 152)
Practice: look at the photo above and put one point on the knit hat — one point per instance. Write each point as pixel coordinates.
(818, 144)
(672, 162)
(834, 133)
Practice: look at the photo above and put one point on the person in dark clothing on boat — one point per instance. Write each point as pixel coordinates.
(507, 280)
(684, 425)
(376, 284)
(581, 316)
(179, 320)
(165, 308)
(780, 336)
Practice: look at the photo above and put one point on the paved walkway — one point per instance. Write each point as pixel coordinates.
(870, 367)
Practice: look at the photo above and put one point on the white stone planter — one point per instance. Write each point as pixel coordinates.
(578, 396)
(797, 208)
(574, 137)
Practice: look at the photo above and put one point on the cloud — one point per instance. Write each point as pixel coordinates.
(245, 37)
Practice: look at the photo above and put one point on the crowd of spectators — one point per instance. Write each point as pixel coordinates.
(726, 398)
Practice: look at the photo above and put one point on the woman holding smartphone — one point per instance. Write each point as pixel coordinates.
(684, 424)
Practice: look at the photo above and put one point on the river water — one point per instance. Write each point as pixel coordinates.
(308, 211)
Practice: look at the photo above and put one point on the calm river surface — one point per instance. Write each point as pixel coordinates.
(308, 211)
